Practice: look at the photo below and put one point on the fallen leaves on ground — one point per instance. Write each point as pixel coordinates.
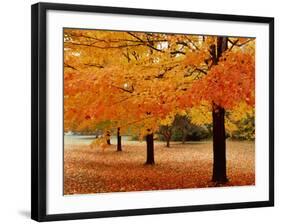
(93, 170)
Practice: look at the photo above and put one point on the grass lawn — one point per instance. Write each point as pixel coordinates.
(93, 170)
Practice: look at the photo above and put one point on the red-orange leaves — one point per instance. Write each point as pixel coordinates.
(196, 58)
(226, 84)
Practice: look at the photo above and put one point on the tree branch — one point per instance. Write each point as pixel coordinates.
(69, 66)
(177, 52)
(123, 89)
(235, 43)
(147, 43)
(95, 65)
(107, 47)
(112, 40)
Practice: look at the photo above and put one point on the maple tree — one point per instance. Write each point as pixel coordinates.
(121, 80)
(132, 71)
(229, 81)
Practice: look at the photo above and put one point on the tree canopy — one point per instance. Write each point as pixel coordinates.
(132, 79)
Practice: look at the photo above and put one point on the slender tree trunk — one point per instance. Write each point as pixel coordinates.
(149, 149)
(219, 145)
(183, 137)
(218, 113)
(108, 138)
(168, 143)
(167, 136)
(119, 145)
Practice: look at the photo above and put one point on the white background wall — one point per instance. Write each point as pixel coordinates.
(15, 110)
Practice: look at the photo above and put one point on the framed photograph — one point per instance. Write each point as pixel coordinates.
(140, 111)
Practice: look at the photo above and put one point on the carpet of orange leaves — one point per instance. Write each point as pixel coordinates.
(89, 170)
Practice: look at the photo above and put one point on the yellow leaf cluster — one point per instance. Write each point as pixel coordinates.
(200, 115)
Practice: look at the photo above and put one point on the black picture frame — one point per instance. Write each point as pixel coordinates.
(39, 123)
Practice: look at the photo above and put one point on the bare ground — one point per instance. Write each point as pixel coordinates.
(89, 170)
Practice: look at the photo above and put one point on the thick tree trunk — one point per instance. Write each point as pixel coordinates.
(149, 149)
(219, 145)
(119, 145)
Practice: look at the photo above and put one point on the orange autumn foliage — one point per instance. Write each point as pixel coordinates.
(135, 79)
(226, 84)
